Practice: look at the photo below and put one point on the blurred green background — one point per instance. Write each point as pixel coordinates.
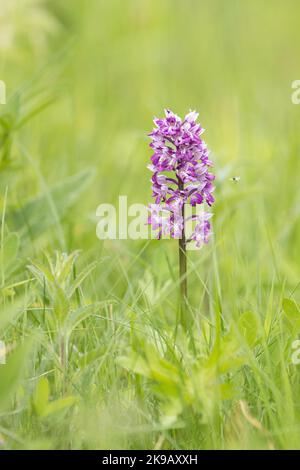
(114, 65)
(232, 61)
(84, 80)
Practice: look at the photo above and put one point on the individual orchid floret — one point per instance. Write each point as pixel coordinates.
(202, 230)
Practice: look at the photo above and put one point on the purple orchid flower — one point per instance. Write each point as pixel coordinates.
(181, 175)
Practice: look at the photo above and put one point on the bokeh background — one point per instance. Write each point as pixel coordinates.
(113, 65)
(84, 80)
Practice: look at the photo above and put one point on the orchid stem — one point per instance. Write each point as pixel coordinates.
(183, 280)
(183, 270)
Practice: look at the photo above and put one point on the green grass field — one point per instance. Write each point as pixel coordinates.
(96, 357)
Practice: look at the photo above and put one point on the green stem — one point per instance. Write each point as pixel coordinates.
(182, 270)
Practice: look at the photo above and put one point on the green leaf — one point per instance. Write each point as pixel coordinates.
(43, 407)
(82, 276)
(59, 405)
(82, 313)
(41, 273)
(66, 265)
(292, 313)
(41, 396)
(12, 372)
(61, 304)
(290, 308)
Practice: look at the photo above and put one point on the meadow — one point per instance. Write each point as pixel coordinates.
(96, 357)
